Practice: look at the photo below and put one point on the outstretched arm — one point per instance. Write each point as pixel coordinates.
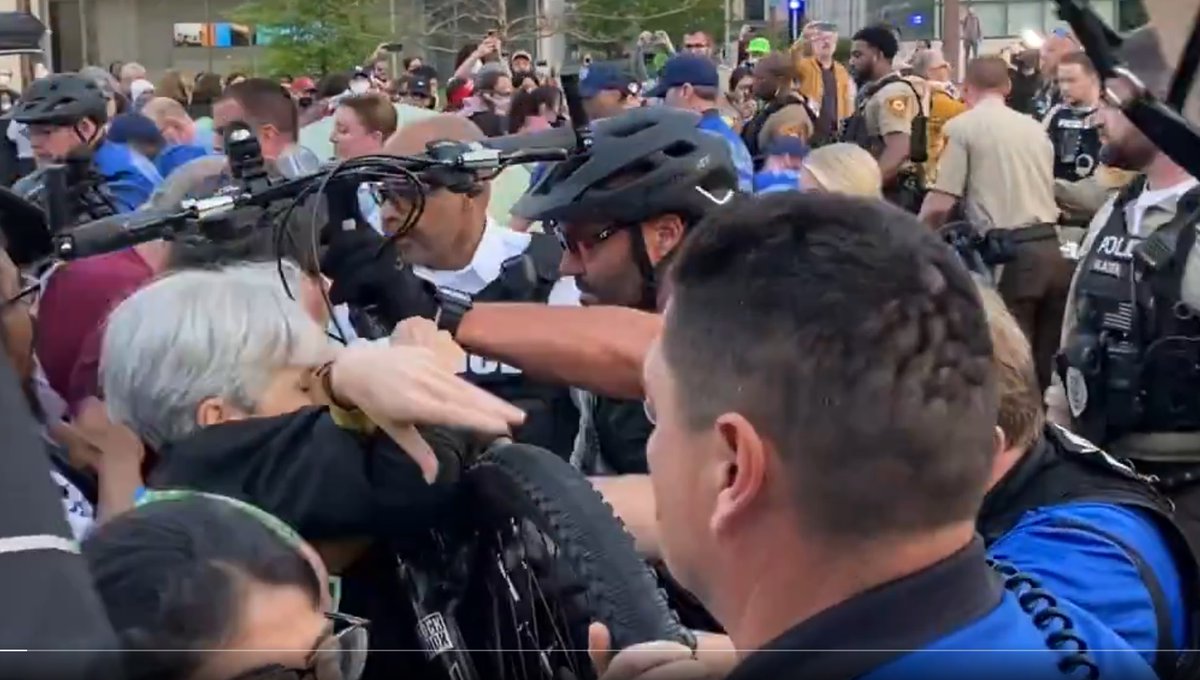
(596, 348)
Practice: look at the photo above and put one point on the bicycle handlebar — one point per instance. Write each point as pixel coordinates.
(123, 231)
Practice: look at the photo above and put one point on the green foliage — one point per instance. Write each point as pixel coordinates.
(618, 22)
(314, 36)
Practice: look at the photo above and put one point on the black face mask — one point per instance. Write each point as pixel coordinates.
(305, 102)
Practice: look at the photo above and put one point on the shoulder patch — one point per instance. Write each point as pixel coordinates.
(897, 105)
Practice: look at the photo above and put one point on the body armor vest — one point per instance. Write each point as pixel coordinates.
(1132, 362)
(1062, 468)
(551, 418)
(1076, 143)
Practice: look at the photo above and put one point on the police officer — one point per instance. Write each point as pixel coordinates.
(620, 236)
(782, 110)
(1127, 366)
(1072, 131)
(454, 246)
(773, 437)
(64, 116)
(997, 167)
(1093, 530)
(890, 117)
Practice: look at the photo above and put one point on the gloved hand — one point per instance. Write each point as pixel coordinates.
(366, 274)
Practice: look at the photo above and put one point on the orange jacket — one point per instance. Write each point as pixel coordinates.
(811, 85)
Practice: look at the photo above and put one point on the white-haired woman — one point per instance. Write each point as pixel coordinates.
(223, 374)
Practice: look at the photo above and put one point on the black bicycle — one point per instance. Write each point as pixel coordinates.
(508, 586)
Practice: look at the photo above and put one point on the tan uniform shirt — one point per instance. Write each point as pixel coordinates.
(793, 120)
(892, 109)
(1143, 216)
(1001, 164)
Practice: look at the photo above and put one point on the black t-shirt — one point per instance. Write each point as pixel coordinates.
(827, 119)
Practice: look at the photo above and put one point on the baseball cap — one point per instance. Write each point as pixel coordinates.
(686, 69)
(759, 46)
(304, 84)
(133, 127)
(603, 76)
(140, 87)
(418, 86)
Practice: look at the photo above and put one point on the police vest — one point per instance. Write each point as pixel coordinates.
(1132, 362)
(754, 126)
(855, 130)
(551, 418)
(1076, 143)
(1063, 468)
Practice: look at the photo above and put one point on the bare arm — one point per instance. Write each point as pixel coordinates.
(895, 154)
(599, 349)
(936, 209)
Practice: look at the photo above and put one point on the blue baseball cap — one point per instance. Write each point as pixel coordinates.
(134, 127)
(686, 69)
(603, 76)
(787, 145)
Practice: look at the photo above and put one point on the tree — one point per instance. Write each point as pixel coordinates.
(314, 36)
(598, 22)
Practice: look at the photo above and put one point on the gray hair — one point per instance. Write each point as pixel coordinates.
(199, 334)
(103, 79)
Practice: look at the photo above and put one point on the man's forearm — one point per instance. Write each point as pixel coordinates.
(599, 349)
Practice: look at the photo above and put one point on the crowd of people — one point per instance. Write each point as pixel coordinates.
(886, 372)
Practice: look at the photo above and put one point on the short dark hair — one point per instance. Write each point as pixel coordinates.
(882, 38)
(333, 84)
(489, 79)
(267, 102)
(253, 236)
(526, 103)
(168, 574)
(375, 111)
(854, 340)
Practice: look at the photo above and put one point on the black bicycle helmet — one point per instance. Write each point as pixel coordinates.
(61, 99)
(642, 163)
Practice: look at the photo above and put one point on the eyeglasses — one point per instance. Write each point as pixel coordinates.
(574, 244)
(41, 130)
(340, 656)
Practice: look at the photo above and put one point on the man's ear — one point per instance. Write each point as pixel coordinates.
(663, 234)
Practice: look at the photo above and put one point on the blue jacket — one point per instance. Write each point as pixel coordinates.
(771, 181)
(129, 177)
(957, 619)
(175, 155)
(711, 121)
(1093, 571)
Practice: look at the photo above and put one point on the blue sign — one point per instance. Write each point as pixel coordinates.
(916, 19)
(793, 5)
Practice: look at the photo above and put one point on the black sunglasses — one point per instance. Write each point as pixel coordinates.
(573, 244)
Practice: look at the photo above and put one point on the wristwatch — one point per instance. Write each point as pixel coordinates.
(453, 304)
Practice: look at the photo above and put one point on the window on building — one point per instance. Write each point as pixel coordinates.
(991, 18)
(755, 10)
(1024, 16)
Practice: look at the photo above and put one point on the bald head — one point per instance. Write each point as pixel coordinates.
(161, 108)
(412, 138)
(171, 119)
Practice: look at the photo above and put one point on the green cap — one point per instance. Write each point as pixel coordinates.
(759, 46)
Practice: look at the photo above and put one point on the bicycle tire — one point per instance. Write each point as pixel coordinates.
(621, 590)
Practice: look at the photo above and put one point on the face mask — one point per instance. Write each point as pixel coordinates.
(359, 86)
(305, 102)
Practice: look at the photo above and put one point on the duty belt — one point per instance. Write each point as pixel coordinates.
(1038, 232)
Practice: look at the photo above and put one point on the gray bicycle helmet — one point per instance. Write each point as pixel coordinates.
(61, 99)
(642, 163)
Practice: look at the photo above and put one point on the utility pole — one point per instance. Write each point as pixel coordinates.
(730, 50)
(394, 56)
(952, 35)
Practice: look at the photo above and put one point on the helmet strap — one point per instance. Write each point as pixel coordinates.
(641, 257)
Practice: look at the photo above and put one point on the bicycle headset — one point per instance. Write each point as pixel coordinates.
(641, 164)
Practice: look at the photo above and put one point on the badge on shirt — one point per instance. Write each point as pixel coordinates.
(897, 105)
(790, 130)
